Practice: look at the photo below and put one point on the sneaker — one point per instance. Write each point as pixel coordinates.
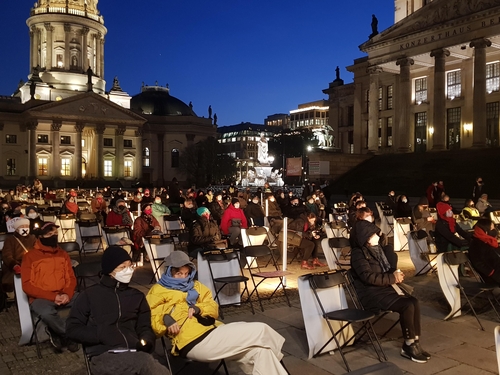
(424, 353)
(412, 352)
(72, 346)
(54, 339)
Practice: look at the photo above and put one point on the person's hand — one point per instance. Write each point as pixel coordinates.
(63, 299)
(430, 218)
(191, 312)
(157, 228)
(17, 269)
(174, 329)
(400, 276)
(58, 300)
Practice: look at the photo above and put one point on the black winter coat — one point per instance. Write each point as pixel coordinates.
(255, 212)
(444, 236)
(485, 259)
(371, 283)
(203, 233)
(110, 315)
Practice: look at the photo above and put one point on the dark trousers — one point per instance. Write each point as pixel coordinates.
(126, 363)
(50, 313)
(308, 248)
(409, 314)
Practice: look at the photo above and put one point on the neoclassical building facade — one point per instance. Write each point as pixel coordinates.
(62, 125)
(430, 82)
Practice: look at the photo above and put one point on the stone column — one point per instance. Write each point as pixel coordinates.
(49, 58)
(404, 100)
(119, 160)
(439, 104)
(67, 54)
(373, 112)
(479, 103)
(99, 131)
(78, 149)
(34, 47)
(56, 141)
(102, 58)
(98, 54)
(161, 164)
(138, 154)
(85, 53)
(32, 160)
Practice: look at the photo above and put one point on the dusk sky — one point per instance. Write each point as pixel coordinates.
(248, 59)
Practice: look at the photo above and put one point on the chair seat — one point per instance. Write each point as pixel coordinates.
(231, 279)
(270, 274)
(351, 315)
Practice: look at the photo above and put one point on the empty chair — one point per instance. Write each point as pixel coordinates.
(89, 233)
(66, 230)
(420, 254)
(333, 250)
(82, 270)
(157, 249)
(114, 235)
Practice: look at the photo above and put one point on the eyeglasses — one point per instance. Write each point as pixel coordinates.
(121, 268)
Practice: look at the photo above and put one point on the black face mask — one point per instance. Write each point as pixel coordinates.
(49, 241)
(493, 232)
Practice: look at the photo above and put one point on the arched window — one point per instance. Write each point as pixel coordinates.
(74, 61)
(175, 158)
(145, 157)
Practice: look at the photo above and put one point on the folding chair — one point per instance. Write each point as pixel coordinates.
(114, 234)
(497, 345)
(83, 206)
(339, 229)
(89, 233)
(82, 270)
(66, 230)
(157, 249)
(495, 217)
(336, 245)
(388, 216)
(173, 227)
(346, 316)
(222, 257)
(452, 260)
(263, 251)
(254, 236)
(187, 361)
(401, 228)
(420, 254)
(87, 360)
(50, 214)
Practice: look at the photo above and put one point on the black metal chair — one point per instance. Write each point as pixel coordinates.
(87, 360)
(346, 317)
(82, 270)
(90, 233)
(219, 282)
(340, 243)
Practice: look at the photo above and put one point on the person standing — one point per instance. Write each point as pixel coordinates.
(478, 189)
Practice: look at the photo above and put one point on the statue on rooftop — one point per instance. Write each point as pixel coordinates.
(209, 111)
(374, 26)
(337, 73)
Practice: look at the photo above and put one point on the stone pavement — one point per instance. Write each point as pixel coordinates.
(457, 346)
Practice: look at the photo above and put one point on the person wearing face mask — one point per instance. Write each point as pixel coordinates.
(147, 198)
(217, 208)
(478, 189)
(35, 221)
(352, 215)
(70, 206)
(5, 208)
(119, 215)
(184, 310)
(446, 227)
(484, 252)
(254, 212)
(422, 217)
(204, 234)
(483, 206)
(13, 251)
(232, 221)
(143, 226)
(98, 207)
(376, 283)
(403, 208)
(135, 203)
(390, 201)
(274, 214)
(113, 321)
(295, 209)
(311, 206)
(159, 209)
(49, 281)
(470, 212)
(188, 212)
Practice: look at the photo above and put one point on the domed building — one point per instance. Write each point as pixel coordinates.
(63, 127)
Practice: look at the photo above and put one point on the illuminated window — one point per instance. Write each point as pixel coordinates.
(454, 84)
(65, 140)
(390, 92)
(66, 167)
(11, 167)
(145, 157)
(108, 142)
(83, 142)
(59, 59)
(175, 158)
(421, 90)
(127, 143)
(108, 168)
(492, 77)
(43, 166)
(389, 131)
(11, 138)
(128, 168)
(380, 97)
(43, 138)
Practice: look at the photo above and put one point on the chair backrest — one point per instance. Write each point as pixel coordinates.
(338, 242)
(23, 307)
(257, 236)
(328, 279)
(87, 216)
(497, 345)
(338, 225)
(220, 255)
(256, 251)
(70, 247)
(455, 258)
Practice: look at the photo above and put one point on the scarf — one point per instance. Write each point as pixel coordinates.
(378, 253)
(482, 236)
(148, 219)
(442, 208)
(126, 219)
(72, 207)
(184, 285)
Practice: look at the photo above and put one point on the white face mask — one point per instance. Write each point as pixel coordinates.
(449, 213)
(404, 200)
(157, 201)
(373, 240)
(23, 231)
(32, 215)
(125, 275)
(255, 201)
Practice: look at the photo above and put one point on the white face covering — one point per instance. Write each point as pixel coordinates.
(255, 201)
(32, 215)
(404, 200)
(373, 240)
(125, 275)
(23, 231)
(158, 201)
(449, 213)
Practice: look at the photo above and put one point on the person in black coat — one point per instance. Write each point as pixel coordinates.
(295, 209)
(390, 201)
(484, 252)
(376, 282)
(188, 213)
(217, 208)
(478, 189)
(254, 212)
(111, 318)
(446, 227)
(403, 208)
(204, 233)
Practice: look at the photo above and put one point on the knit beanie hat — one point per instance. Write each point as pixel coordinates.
(178, 259)
(112, 258)
(202, 210)
(235, 200)
(20, 221)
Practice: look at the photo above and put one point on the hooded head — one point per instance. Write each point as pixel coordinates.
(365, 230)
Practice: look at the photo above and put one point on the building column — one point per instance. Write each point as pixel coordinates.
(479, 101)
(85, 53)
(56, 141)
(49, 62)
(101, 44)
(99, 131)
(32, 161)
(67, 38)
(373, 111)
(78, 149)
(439, 104)
(119, 160)
(138, 154)
(161, 164)
(34, 47)
(404, 100)
(98, 54)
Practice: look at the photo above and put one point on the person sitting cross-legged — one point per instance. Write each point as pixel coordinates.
(183, 309)
(113, 321)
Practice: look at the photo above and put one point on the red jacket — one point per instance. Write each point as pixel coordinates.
(141, 229)
(114, 219)
(232, 213)
(46, 272)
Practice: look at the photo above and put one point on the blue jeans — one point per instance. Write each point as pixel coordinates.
(49, 312)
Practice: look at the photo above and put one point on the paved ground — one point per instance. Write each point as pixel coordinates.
(457, 346)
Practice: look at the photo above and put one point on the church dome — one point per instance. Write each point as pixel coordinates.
(156, 100)
(82, 8)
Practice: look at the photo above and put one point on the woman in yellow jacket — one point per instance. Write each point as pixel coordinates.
(184, 310)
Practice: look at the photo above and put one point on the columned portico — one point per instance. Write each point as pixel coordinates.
(56, 140)
(439, 103)
(49, 46)
(404, 101)
(78, 149)
(119, 151)
(99, 131)
(85, 54)
(67, 38)
(373, 109)
(479, 100)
